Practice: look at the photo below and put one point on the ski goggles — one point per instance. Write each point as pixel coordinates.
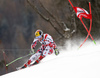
(38, 37)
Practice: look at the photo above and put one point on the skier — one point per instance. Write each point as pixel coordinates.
(48, 47)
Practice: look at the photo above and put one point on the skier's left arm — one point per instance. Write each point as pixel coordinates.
(52, 44)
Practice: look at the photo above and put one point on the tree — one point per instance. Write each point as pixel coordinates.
(60, 26)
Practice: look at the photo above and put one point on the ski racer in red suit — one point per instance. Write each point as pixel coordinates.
(48, 47)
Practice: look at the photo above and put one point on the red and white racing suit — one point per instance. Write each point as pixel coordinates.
(47, 47)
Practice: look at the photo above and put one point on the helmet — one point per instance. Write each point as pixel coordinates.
(39, 33)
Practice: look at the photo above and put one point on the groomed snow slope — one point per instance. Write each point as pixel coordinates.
(82, 63)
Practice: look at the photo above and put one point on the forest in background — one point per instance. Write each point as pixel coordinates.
(19, 20)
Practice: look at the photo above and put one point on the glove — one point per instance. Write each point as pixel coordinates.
(32, 51)
(56, 51)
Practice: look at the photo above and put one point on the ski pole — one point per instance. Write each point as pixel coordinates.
(18, 59)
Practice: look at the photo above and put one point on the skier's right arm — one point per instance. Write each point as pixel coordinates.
(33, 45)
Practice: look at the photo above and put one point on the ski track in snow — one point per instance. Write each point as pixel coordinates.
(70, 63)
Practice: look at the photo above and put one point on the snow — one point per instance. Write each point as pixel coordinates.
(70, 63)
